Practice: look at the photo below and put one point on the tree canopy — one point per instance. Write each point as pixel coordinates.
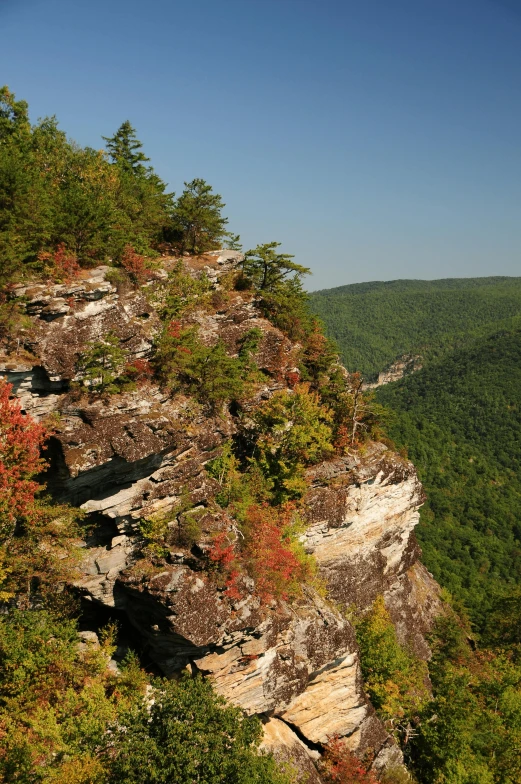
(94, 203)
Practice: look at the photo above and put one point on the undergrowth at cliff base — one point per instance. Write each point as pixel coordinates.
(396, 680)
(463, 725)
(340, 766)
(67, 718)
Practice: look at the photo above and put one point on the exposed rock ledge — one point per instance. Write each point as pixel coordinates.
(136, 454)
(403, 366)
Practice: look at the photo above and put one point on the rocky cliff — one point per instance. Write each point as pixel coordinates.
(403, 366)
(126, 457)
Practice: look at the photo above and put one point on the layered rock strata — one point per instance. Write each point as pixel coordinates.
(128, 457)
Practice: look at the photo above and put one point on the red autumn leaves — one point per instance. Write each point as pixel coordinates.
(266, 554)
(21, 439)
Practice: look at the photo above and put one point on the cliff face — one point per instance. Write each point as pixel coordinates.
(126, 457)
(404, 366)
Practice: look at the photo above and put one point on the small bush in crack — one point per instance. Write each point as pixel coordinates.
(181, 527)
(102, 363)
(209, 373)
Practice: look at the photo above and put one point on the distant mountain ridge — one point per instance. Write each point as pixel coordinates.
(376, 323)
(419, 283)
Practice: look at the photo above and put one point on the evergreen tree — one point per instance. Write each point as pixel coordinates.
(278, 280)
(102, 362)
(20, 191)
(268, 270)
(199, 224)
(143, 208)
(125, 149)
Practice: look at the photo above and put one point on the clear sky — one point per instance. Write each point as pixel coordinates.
(375, 139)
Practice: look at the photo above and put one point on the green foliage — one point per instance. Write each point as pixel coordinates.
(55, 701)
(184, 292)
(357, 416)
(278, 280)
(53, 192)
(13, 115)
(181, 527)
(376, 323)
(102, 363)
(233, 242)
(394, 679)
(288, 432)
(198, 223)
(188, 735)
(125, 149)
(470, 732)
(248, 345)
(460, 420)
(208, 373)
(240, 487)
(469, 729)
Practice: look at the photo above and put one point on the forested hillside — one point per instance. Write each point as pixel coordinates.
(376, 323)
(460, 420)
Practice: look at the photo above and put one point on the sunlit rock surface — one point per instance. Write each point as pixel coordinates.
(127, 457)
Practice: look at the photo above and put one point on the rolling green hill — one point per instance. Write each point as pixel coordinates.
(376, 323)
(460, 420)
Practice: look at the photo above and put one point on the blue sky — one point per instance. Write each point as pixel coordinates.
(376, 139)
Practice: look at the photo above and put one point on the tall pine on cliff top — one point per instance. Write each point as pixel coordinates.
(268, 270)
(125, 149)
(145, 207)
(198, 219)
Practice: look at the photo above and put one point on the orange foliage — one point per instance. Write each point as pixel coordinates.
(223, 555)
(292, 378)
(174, 329)
(344, 767)
(269, 556)
(342, 439)
(136, 265)
(65, 264)
(139, 370)
(21, 439)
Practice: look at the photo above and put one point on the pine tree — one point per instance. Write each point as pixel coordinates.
(268, 269)
(102, 363)
(125, 149)
(198, 220)
(144, 208)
